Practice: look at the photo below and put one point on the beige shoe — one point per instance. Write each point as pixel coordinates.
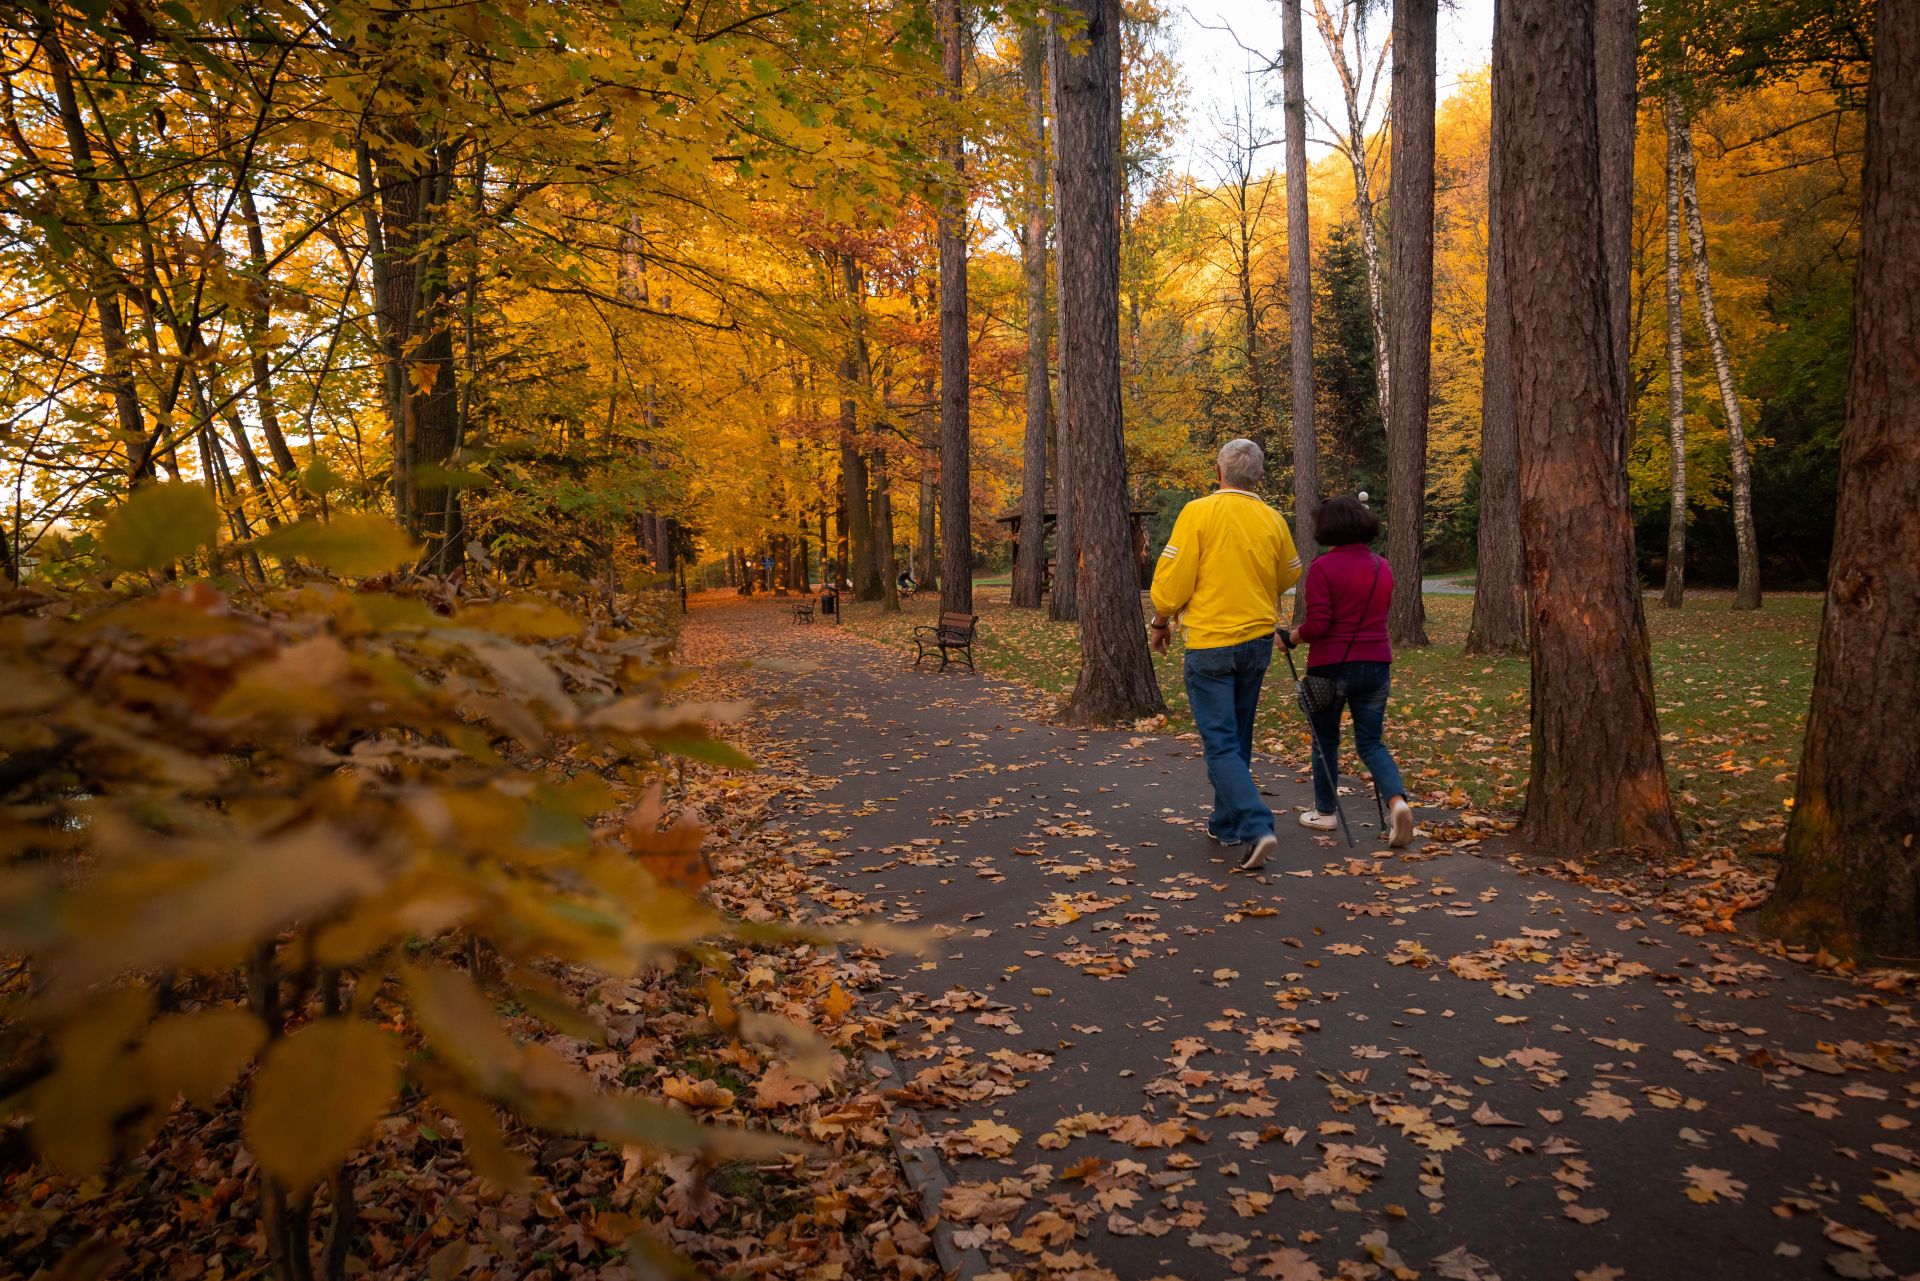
(1319, 822)
(1259, 852)
(1399, 822)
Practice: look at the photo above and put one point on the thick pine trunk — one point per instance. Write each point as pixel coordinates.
(1675, 594)
(1415, 33)
(1030, 560)
(1499, 623)
(1306, 442)
(1747, 594)
(1597, 780)
(956, 476)
(1851, 876)
(1116, 672)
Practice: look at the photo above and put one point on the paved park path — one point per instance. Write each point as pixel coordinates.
(1136, 1063)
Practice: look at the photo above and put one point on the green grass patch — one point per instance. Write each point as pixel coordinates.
(1732, 689)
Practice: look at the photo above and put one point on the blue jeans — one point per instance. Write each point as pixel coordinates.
(1363, 687)
(1223, 688)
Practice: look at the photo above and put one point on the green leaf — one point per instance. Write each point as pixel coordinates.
(318, 1094)
(350, 543)
(157, 525)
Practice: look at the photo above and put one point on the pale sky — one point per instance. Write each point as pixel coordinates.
(1216, 66)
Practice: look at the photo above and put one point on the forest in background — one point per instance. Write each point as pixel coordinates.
(596, 339)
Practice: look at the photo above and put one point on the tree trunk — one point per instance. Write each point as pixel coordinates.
(1063, 606)
(259, 328)
(1499, 623)
(1616, 66)
(883, 532)
(417, 335)
(956, 478)
(380, 281)
(841, 541)
(1597, 780)
(1254, 425)
(856, 517)
(1747, 593)
(1030, 558)
(102, 282)
(1306, 443)
(1676, 588)
(1851, 876)
(1116, 672)
(1415, 32)
(243, 445)
(863, 566)
(1352, 78)
(926, 556)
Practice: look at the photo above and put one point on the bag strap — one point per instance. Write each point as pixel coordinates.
(1351, 640)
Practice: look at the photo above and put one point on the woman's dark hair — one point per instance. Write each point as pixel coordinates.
(1342, 520)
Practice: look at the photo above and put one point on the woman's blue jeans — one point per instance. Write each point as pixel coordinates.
(1223, 688)
(1363, 687)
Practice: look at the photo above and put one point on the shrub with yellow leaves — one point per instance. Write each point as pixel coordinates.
(257, 837)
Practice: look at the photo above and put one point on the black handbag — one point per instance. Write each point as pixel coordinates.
(1321, 694)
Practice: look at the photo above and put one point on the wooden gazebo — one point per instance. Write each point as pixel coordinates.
(1136, 522)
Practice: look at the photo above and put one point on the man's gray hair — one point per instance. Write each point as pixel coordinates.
(1242, 463)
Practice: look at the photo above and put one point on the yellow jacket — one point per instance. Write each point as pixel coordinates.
(1225, 565)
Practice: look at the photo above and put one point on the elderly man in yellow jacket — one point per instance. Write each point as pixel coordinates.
(1224, 569)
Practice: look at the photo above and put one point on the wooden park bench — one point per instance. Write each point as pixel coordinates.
(953, 634)
(803, 610)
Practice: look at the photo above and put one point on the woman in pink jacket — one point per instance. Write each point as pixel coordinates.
(1347, 591)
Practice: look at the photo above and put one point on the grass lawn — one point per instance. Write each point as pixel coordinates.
(1732, 691)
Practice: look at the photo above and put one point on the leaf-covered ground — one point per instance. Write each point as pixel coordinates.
(1357, 1064)
(1732, 690)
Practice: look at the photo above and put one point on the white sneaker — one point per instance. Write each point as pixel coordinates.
(1399, 822)
(1258, 853)
(1319, 822)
